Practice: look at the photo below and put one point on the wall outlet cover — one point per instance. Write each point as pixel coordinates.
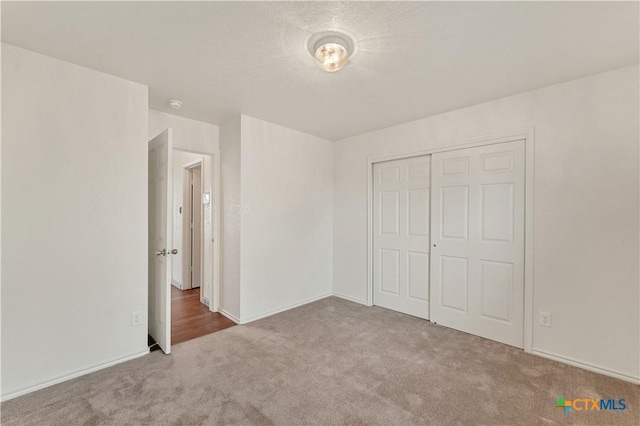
(136, 318)
(545, 319)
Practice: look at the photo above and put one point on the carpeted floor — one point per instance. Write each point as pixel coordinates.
(329, 362)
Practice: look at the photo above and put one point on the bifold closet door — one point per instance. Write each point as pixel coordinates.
(477, 239)
(401, 235)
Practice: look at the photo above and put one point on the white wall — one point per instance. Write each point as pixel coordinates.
(586, 208)
(188, 134)
(180, 159)
(74, 220)
(287, 204)
(230, 224)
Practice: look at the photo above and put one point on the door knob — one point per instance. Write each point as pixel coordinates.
(162, 252)
(174, 251)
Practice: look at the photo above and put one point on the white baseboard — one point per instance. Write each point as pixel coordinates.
(176, 284)
(351, 299)
(229, 315)
(586, 366)
(71, 376)
(284, 308)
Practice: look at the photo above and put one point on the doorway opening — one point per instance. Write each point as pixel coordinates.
(184, 224)
(192, 227)
(193, 268)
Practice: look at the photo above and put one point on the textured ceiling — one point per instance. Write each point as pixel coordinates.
(413, 59)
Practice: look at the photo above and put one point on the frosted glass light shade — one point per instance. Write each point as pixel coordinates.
(331, 57)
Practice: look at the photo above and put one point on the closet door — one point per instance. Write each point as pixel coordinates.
(477, 253)
(401, 235)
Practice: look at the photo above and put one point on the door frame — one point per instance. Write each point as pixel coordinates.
(527, 135)
(186, 212)
(214, 290)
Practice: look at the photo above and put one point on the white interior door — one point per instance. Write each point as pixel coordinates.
(160, 239)
(401, 235)
(477, 253)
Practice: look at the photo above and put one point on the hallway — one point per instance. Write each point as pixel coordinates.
(191, 319)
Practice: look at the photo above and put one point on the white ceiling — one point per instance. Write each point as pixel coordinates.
(413, 59)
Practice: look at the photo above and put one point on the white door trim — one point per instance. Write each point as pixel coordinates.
(214, 290)
(192, 164)
(187, 275)
(527, 135)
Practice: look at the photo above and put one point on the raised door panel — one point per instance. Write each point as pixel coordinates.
(418, 275)
(418, 212)
(454, 279)
(454, 212)
(497, 212)
(496, 279)
(390, 271)
(389, 212)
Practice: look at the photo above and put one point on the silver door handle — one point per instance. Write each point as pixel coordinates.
(174, 251)
(162, 252)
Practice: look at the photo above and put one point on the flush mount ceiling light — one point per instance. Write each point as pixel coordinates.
(174, 103)
(331, 50)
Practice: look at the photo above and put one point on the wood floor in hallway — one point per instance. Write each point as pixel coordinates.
(191, 319)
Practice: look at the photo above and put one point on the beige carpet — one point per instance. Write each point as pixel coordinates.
(330, 362)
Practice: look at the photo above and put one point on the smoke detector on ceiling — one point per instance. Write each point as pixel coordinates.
(331, 50)
(174, 103)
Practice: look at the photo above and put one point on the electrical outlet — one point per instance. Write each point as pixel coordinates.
(545, 319)
(136, 318)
